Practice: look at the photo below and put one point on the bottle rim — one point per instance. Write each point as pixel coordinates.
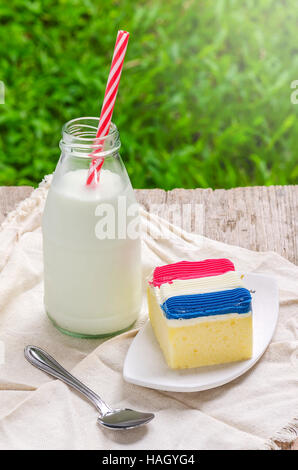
(79, 138)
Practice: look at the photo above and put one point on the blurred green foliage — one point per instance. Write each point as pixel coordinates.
(204, 98)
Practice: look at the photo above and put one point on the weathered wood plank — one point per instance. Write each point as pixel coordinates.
(257, 218)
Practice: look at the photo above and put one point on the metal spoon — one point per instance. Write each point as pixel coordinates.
(114, 419)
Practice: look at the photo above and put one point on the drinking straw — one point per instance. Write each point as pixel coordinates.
(106, 113)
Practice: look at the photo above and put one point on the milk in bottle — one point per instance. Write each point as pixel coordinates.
(92, 254)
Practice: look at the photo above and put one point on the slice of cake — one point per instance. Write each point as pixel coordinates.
(200, 313)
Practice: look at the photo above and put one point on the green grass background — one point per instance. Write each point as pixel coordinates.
(204, 98)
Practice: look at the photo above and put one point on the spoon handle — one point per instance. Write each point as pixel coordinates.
(43, 361)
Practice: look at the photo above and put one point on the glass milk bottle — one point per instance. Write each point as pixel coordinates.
(92, 254)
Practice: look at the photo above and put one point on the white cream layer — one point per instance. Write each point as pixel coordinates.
(208, 318)
(202, 285)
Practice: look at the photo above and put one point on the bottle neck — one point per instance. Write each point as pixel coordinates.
(79, 139)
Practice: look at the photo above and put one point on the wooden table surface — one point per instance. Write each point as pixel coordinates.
(257, 218)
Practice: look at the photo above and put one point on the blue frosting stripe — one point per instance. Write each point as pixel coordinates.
(212, 303)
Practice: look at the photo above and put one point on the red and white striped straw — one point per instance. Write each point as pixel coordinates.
(108, 103)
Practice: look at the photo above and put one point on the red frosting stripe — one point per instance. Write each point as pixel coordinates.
(191, 270)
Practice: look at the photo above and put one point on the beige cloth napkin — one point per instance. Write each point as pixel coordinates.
(37, 412)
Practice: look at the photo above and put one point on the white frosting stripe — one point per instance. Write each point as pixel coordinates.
(203, 285)
(211, 318)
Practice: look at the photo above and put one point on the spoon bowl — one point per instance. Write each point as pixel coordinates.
(124, 419)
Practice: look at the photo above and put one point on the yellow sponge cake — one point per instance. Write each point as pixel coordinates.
(200, 313)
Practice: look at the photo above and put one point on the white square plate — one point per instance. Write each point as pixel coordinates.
(145, 365)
